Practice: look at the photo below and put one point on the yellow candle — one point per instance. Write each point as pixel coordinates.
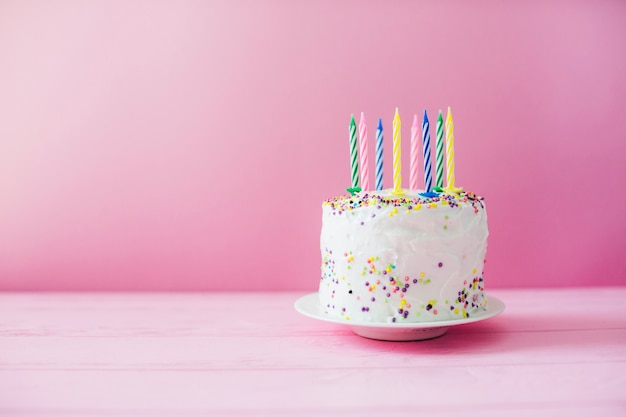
(450, 150)
(397, 164)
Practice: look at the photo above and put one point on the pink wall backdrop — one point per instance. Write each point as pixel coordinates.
(188, 145)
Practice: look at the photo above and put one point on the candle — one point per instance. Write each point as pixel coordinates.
(414, 155)
(428, 177)
(439, 153)
(450, 150)
(354, 162)
(397, 164)
(363, 163)
(379, 155)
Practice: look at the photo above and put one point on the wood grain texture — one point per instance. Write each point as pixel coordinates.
(552, 352)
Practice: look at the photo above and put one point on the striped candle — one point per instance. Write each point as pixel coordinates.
(428, 175)
(363, 163)
(354, 157)
(397, 163)
(414, 162)
(379, 155)
(449, 150)
(439, 152)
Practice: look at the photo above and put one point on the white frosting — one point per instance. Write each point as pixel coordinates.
(405, 259)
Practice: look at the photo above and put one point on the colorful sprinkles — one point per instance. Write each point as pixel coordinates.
(469, 298)
(348, 203)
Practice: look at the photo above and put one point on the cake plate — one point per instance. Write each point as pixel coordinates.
(309, 306)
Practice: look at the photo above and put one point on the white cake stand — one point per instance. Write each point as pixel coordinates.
(309, 306)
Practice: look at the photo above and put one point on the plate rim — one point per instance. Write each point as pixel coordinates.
(497, 305)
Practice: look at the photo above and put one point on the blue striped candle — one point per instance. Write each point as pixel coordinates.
(428, 176)
(379, 155)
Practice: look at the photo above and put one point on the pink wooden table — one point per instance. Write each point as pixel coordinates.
(551, 353)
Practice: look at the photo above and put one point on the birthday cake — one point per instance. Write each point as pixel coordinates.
(403, 255)
(403, 259)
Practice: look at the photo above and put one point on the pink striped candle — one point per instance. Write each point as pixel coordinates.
(414, 163)
(365, 184)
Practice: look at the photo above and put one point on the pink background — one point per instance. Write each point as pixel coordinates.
(189, 144)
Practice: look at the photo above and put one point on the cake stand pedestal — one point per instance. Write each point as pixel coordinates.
(399, 335)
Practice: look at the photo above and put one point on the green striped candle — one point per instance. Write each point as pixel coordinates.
(439, 153)
(354, 155)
